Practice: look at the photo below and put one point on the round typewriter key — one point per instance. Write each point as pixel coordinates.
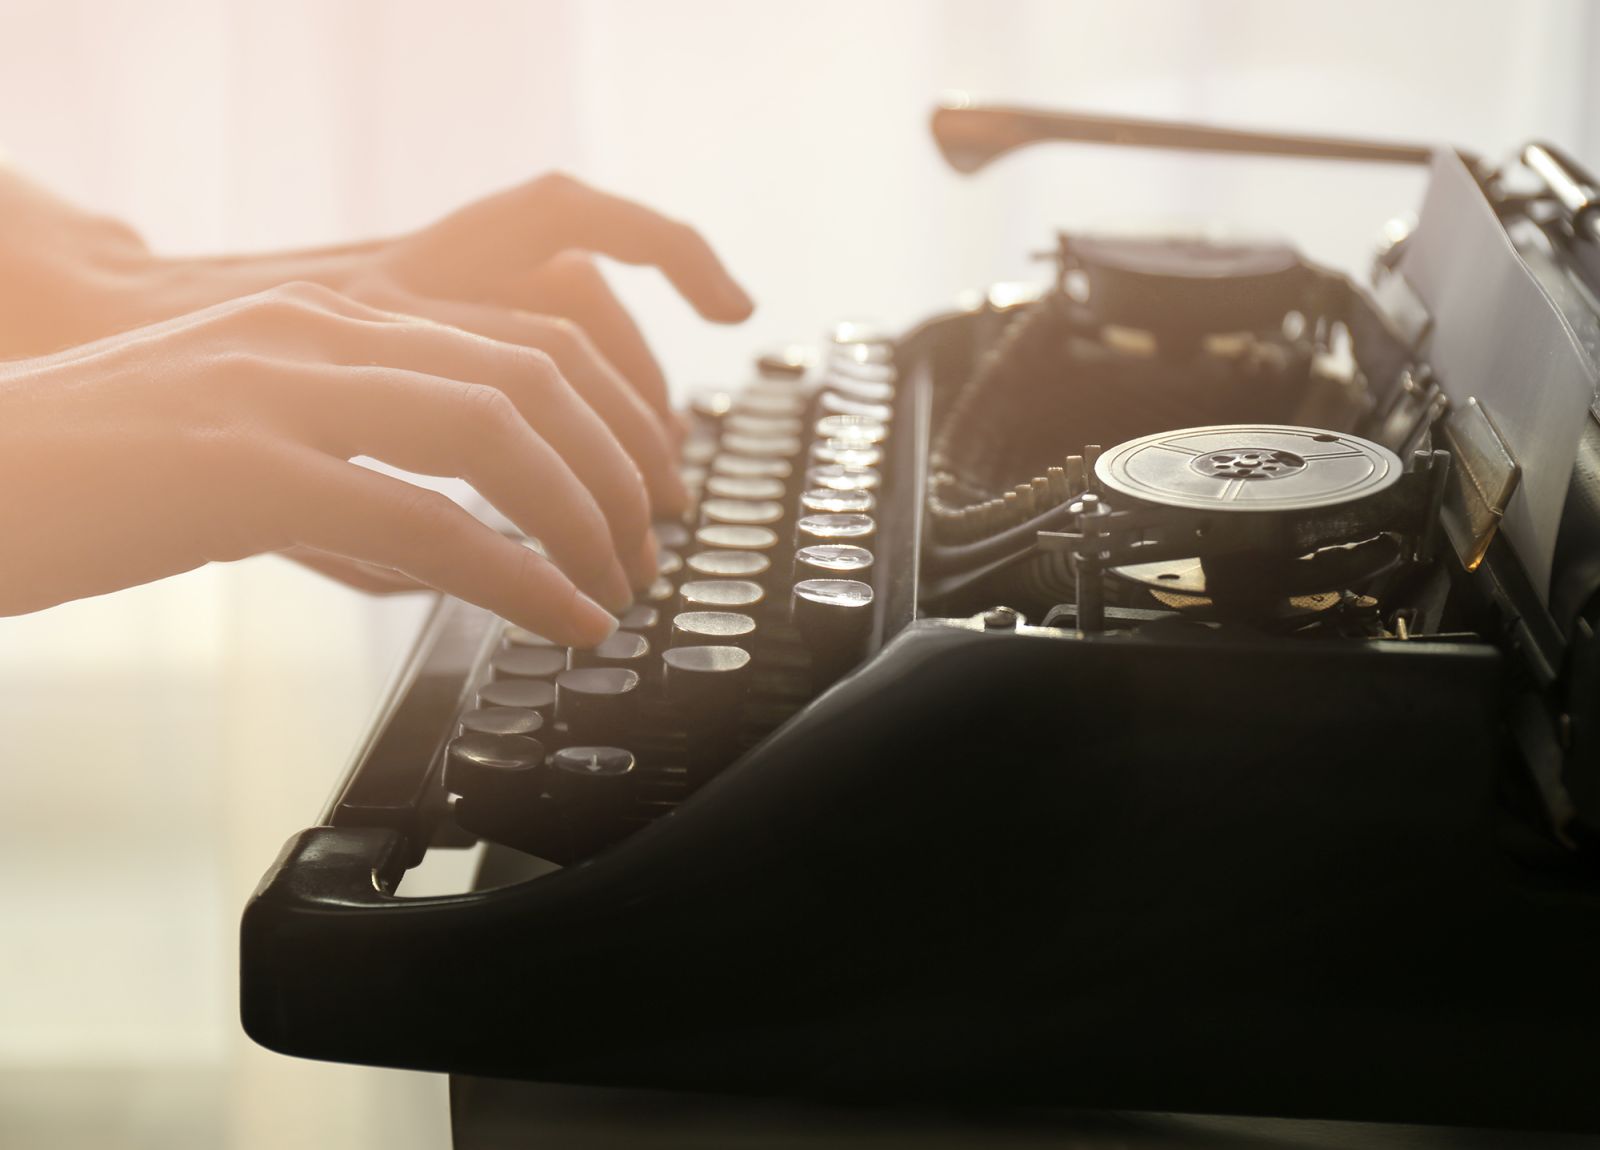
(834, 529)
(693, 628)
(712, 405)
(770, 405)
(821, 501)
(500, 721)
(832, 403)
(672, 535)
(866, 389)
(522, 637)
(787, 363)
(744, 465)
(530, 694)
(741, 423)
(751, 487)
(762, 446)
(736, 537)
(619, 649)
(528, 663)
(743, 512)
(729, 564)
(845, 452)
(595, 699)
(668, 562)
(720, 595)
(707, 674)
(834, 618)
(839, 477)
(825, 560)
(489, 763)
(593, 762)
(697, 452)
(659, 591)
(639, 617)
(856, 429)
(694, 478)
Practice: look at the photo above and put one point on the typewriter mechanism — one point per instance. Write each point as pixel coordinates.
(1173, 686)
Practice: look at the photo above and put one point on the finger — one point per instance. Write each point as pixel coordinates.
(362, 576)
(589, 372)
(346, 331)
(330, 505)
(571, 285)
(441, 426)
(557, 213)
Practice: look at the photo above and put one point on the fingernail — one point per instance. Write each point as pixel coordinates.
(736, 300)
(644, 565)
(591, 622)
(618, 592)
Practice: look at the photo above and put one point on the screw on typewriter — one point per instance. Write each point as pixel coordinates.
(1248, 522)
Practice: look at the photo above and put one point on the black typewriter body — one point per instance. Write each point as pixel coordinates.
(1082, 792)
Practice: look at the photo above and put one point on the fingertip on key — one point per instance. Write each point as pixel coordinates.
(591, 623)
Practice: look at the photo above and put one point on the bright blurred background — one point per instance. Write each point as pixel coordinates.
(160, 744)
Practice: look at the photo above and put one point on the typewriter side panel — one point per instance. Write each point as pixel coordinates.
(1287, 918)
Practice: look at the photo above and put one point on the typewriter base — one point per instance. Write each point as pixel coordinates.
(1337, 927)
(495, 1114)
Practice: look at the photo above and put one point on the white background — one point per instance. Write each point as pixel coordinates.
(158, 745)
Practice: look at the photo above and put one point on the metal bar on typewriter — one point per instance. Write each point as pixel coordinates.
(972, 135)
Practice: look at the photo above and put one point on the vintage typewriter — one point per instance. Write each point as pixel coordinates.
(1174, 687)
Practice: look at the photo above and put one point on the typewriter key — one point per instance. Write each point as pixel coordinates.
(697, 452)
(762, 446)
(639, 617)
(750, 487)
(856, 429)
(596, 700)
(866, 389)
(668, 562)
(830, 560)
(500, 721)
(840, 477)
(736, 537)
(528, 663)
(529, 694)
(743, 512)
(522, 637)
(834, 618)
(594, 789)
(764, 425)
(787, 363)
(711, 405)
(744, 465)
(832, 403)
(672, 535)
(831, 528)
(492, 766)
(620, 649)
(693, 628)
(729, 564)
(771, 405)
(821, 501)
(845, 452)
(721, 595)
(705, 685)
(660, 591)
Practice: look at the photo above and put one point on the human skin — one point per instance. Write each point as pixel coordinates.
(485, 346)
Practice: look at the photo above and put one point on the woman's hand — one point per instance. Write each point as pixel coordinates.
(228, 432)
(517, 267)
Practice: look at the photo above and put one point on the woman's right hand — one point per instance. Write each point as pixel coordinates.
(228, 432)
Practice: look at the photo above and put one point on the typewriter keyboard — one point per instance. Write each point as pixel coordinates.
(765, 595)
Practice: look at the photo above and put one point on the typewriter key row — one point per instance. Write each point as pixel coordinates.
(763, 598)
